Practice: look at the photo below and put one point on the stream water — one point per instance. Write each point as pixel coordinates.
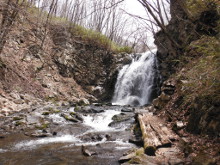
(63, 140)
(55, 135)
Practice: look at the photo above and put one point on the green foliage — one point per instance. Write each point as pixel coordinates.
(202, 78)
(125, 49)
(97, 39)
(88, 36)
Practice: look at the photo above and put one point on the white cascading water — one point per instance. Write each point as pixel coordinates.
(136, 80)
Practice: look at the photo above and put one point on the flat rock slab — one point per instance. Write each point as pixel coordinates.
(155, 134)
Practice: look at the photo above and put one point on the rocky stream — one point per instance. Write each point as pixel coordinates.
(66, 135)
(127, 131)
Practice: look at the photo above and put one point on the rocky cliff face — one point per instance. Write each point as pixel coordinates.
(188, 23)
(89, 65)
(62, 70)
(192, 65)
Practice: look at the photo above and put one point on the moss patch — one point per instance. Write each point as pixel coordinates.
(42, 126)
(200, 85)
(196, 7)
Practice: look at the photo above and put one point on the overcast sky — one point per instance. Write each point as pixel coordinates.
(134, 7)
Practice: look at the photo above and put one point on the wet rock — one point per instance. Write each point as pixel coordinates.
(86, 152)
(17, 118)
(92, 137)
(46, 113)
(69, 118)
(98, 104)
(89, 109)
(83, 102)
(136, 141)
(77, 116)
(109, 138)
(31, 119)
(41, 134)
(97, 110)
(108, 104)
(64, 103)
(2, 136)
(126, 158)
(127, 60)
(19, 123)
(121, 118)
(127, 109)
(54, 133)
(85, 109)
(42, 126)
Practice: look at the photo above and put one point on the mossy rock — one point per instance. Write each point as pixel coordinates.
(43, 126)
(56, 111)
(77, 108)
(73, 113)
(196, 7)
(139, 151)
(17, 118)
(46, 113)
(69, 118)
(18, 123)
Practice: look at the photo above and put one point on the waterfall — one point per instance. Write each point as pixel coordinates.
(136, 81)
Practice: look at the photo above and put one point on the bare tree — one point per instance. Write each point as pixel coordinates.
(9, 13)
(159, 16)
(52, 9)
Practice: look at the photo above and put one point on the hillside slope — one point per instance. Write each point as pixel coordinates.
(190, 94)
(52, 62)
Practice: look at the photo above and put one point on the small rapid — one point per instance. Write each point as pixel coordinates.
(100, 122)
(136, 81)
(64, 138)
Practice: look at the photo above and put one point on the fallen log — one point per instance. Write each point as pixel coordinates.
(154, 133)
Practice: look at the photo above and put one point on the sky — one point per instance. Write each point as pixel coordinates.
(135, 7)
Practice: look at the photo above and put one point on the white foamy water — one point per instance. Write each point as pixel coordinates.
(121, 144)
(35, 143)
(99, 122)
(135, 81)
(57, 118)
(3, 150)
